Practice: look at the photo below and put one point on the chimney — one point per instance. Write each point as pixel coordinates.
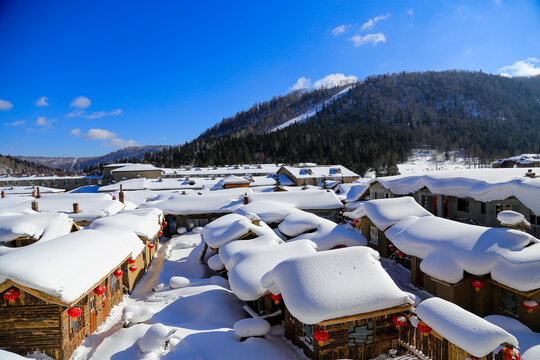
(530, 174)
(33, 193)
(246, 199)
(3, 194)
(121, 188)
(38, 196)
(121, 196)
(76, 208)
(35, 205)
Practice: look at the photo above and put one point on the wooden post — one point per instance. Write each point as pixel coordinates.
(3, 194)
(246, 199)
(33, 193)
(121, 195)
(38, 196)
(76, 208)
(35, 205)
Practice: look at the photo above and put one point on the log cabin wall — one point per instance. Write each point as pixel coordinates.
(360, 339)
(131, 278)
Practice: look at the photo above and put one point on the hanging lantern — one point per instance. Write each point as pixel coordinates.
(356, 221)
(530, 305)
(161, 227)
(276, 298)
(477, 284)
(74, 313)
(164, 223)
(509, 354)
(133, 268)
(12, 295)
(340, 246)
(99, 290)
(423, 328)
(399, 321)
(151, 246)
(321, 336)
(114, 197)
(400, 253)
(131, 261)
(342, 211)
(118, 274)
(391, 247)
(160, 233)
(212, 249)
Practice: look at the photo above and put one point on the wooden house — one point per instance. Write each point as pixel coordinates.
(56, 292)
(349, 310)
(457, 262)
(314, 175)
(441, 330)
(134, 171)
(233, 181)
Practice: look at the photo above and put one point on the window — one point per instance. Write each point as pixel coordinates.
(75, 324)
(92, 303)
(360, 335)
(533, 219)
(374, 195)
(192, 223)
(482, 208)
(374, 235)
(115, 284)
(463, 205)
(508, 302)
(386, 195)
(502, 207)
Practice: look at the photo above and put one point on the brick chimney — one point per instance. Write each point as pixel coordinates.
(530, 174)
(35, 205)
(246, 199)
(3, 194)
(76, 208)
(121, 196)
(38, 196)
(34, 193)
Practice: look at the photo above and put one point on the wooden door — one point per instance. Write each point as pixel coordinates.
(93, 314)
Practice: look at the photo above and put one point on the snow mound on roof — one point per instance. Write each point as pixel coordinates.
(251, 327)
(227, 252)
(509, 217)
(270, 212)
(306, 200)
(30, 224)
(144, 222)
(529, 341)
(387, 212)
(247, 266)
(231, 227)
(331, 284)
(222, 201)
(350, 192)
(325, 233)
(448, 248)
(91, 206)
(468, 331)
(59, 267)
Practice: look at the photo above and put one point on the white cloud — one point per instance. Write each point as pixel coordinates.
(5, 105)
(76, 113)
(411, 12)
(338, 30)
(525, 67)
(99, 114)
(75, 132)
(42, 101)
(98, 134)
(81, 102)
(46, 123)
(359, 40)
(121, 143)
(334, 80)
(301, 83)
(371, 22)
(16, 123)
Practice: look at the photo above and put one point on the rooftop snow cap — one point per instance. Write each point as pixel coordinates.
(332, 284)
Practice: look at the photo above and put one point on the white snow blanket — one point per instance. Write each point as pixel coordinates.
(529, 341)
(251, 327)
(270, 212)
(231, 227)
(301, 225)
(509, 217)
(222, 201)
(350, 192)
(91, 206)
(144, 222)
(31, 224)
(479, 184)
(332, 284)
(226, 253)
(69, 266)
(247, 266)
(387, 212)
(305, 200)
(448, 248)
(468, 331)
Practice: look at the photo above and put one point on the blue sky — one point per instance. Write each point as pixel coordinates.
(85, 78)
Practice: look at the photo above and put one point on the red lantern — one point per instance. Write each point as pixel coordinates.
(12, 295)
(399, 321)
(118, 273)
(151, 246)
(131, 261)
(356, 222)
(99, 290)
(477, 284)
(164, 223)
(114, 197)
(133, 268)
(340, 246)
(321, 336)
(342, 211)
(161, 227)
(509, 354)
(160, 233)
(423, 328)
(276, 298)
(530, 305)
(391, 247)
(400, 253)
(74, 313)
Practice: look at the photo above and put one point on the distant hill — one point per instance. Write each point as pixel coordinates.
(378, 122)
(72, 163)
(10, 165)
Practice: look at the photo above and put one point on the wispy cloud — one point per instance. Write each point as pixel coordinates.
(98, 134)
(359, 40)
(99, 114)
(527, 67)
(75, 132)
(5, 105)
(301, 83)
(341, 29)
(120, 143)
(371, 22)
(81, 102)
(76, 113)
(44, 122)
(108, 138)
(330, 80)
(42, 101)
(17, 123)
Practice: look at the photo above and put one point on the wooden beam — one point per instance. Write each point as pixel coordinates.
(392, 310)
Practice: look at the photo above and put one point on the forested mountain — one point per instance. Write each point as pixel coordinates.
(379, 121)
(10, 165)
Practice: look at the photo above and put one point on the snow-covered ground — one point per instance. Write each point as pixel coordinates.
(424, 160)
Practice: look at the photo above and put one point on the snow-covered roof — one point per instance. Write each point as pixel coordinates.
(160, 184)
(136, 168)
(332, 284)
(91, 206)
(301, 225)
(144, 222)
(233, 179)
(332, 171)
(523, 159)
(529, 341)
(349, 192)
(468, 331)
(223, 201)
(223, 170)
(269, 211)
(512, 218)
(69, 266)
(231, 227)
(305, 200)
(387, 212)
(479, 184)
(31, 224)
(249, 266)
(27, 190)
(449, 248)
